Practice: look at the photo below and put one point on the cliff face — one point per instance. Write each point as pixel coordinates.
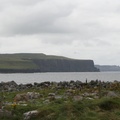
(56, 65)
(18, 63)
(108, 67)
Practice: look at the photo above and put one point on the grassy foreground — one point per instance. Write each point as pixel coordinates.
(63, 108)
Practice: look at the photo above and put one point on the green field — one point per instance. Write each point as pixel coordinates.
(64, 108)
(23, 61)
(17, 64)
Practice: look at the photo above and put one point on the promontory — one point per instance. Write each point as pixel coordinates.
(39, 62)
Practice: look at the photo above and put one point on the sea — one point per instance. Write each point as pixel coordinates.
(24, 78)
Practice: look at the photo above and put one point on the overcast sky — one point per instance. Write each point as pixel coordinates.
(82, 29)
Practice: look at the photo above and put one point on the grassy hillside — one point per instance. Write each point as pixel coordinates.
(23, 61)
(33, 62)
(17, 64)
(22, 56)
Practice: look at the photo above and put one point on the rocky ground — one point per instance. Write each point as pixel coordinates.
(15, 96)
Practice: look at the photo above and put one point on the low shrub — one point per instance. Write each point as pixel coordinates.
(110, 104)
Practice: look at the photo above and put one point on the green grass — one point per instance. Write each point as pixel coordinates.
(23, 61)
(22, 64)
(65, 108)
(29, 56)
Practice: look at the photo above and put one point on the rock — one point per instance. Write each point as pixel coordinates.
(32, 95)
(58, 96)
(20, 97)
(22, 87)
(5, 113)
(23, 104)
(70, 92)
(112, 94)
(30, 114)
(77, 98)
(46, 101)
(51, 94)
(8, 86)
(27, 96)
(86, 94)
(89, 98)
(29, 85)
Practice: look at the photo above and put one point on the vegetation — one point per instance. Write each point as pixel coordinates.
(63, 108)
(22, 61)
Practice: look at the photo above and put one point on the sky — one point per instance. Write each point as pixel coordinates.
(80, 29)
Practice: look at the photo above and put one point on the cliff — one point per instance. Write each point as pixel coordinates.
(18, 63)
(105, 68)
(56, 65)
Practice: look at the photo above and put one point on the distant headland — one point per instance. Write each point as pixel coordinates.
(39, 62)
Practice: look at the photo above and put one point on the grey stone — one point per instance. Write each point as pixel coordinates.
(30, 114)
(112, 94)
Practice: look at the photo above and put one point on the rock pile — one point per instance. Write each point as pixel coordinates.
(13, 86)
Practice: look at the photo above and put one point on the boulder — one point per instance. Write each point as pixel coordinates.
(33, 95)
(112, 94)
(5, 113)
(77, 98)
(30, 114)
(20, 97)
(27, 96)
(51, 94)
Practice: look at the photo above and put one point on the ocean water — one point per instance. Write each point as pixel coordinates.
(59, 76)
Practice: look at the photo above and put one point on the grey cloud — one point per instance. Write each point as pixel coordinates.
(58, 39)
(36, 19)
(79, 28)
(19, 2)
(87, 19)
